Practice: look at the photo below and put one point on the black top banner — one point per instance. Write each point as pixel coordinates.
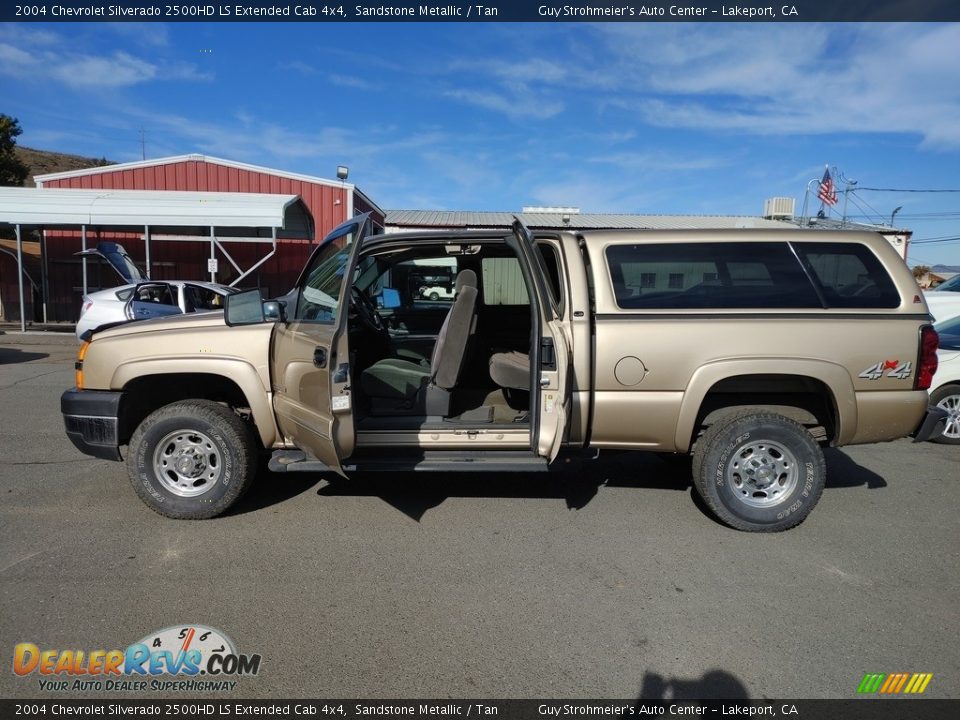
(488, 11)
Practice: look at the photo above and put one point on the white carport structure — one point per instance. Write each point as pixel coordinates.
(214, 217)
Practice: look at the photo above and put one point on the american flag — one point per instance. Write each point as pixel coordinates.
(827, 194)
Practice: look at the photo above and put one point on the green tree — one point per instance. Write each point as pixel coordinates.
(12, 170)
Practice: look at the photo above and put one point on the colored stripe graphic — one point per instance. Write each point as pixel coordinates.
(871, 683)
(894, 683)
(918, 683)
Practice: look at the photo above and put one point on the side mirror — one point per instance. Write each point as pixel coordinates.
(245, 308)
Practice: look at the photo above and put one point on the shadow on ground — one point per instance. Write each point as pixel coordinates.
(11, 356)
(714, 685)
(414, 494)
(844, 472)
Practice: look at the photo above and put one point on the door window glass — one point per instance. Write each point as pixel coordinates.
(323, 282)
(156, 294)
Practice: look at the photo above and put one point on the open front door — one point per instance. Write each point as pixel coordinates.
(311, 359)
(551, 390)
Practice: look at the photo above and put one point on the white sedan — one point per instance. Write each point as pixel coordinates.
(436, 292)
(944, 300)
(147, 299)
(945, 391)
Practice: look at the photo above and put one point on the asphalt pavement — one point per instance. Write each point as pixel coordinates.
(611, 582)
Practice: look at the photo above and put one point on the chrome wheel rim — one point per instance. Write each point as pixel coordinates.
(187, 463)
(951, 403)
(762, 473)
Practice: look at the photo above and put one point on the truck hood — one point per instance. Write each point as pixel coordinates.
(211, 319)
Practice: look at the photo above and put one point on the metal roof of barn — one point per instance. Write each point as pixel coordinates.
(578, 221)
(196, 157)
(160, 208)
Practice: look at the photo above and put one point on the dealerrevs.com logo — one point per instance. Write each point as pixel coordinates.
(177, 658)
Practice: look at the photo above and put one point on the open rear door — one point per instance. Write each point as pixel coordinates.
(550, 394)
(310, 355)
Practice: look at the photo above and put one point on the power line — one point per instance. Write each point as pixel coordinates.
(901, 190)
(937, 241)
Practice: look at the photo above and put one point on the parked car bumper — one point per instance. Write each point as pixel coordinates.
(932, 424)
(91, 419)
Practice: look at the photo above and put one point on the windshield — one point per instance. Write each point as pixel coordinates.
(949, 332)
(951, 285)
(323, 284)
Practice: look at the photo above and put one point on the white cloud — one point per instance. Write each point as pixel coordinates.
(759, 79)
(351, 81)
(657, 162)
(299, 66)
(117, 70)
(32, 56)
(805, 80)
(515, 105)
(156, 34)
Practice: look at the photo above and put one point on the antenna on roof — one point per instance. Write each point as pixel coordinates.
(143, 144)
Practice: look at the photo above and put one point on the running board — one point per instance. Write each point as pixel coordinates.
(440, 461)
(430, 461)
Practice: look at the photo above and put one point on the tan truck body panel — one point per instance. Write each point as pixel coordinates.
(194, 343)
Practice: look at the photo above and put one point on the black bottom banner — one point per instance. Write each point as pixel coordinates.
(872, 709)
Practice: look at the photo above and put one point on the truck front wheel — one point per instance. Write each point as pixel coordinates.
(192, 459)
(759, 471)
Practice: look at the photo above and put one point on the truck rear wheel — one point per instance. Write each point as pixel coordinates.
(192, 459)
(759, 471)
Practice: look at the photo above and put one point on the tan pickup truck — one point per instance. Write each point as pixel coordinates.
(749, 350)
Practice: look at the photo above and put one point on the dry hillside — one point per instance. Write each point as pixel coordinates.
(41, 162)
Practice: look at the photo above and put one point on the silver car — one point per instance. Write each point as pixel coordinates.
(142, 298)
(149, 299)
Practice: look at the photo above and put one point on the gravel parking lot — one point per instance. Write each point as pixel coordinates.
(611, 582)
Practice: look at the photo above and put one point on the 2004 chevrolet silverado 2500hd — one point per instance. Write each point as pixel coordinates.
(750, 350)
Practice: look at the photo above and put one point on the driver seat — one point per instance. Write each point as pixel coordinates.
(400, 387)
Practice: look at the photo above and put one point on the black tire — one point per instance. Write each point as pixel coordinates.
(758, 471)
(192, 429)
(949, 395)
(434, 296)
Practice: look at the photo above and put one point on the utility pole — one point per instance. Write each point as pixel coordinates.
(143, 144)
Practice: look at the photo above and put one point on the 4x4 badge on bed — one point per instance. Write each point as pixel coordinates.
(897, 369)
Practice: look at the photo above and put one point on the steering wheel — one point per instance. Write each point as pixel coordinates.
(367, 312)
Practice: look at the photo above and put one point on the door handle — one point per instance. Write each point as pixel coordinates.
(320, 357)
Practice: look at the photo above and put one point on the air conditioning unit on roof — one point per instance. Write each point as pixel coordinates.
(779, 208)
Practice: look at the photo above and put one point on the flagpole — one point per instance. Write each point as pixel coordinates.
(806, 198)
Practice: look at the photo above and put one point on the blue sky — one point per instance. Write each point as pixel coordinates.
(658, 118)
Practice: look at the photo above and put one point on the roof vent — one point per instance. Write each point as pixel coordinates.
(541, 209)
(779, 208)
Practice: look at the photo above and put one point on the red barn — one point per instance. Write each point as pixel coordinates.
(330, 202)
